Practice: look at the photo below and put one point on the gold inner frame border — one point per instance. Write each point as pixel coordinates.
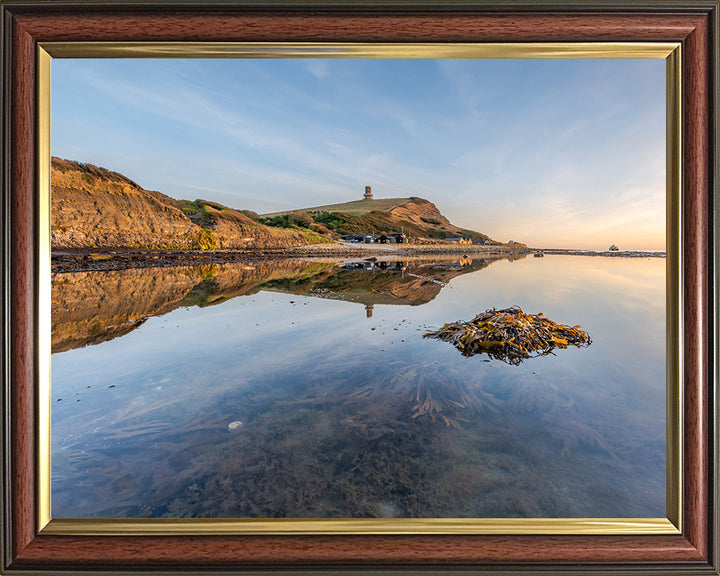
(671, 524)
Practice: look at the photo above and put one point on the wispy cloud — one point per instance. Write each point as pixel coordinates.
(318, 68)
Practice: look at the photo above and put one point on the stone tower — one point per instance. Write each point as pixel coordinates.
(368, 193)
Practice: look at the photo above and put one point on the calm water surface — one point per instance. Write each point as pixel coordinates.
(294, 389)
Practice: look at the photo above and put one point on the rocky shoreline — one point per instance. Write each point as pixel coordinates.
(87, 259)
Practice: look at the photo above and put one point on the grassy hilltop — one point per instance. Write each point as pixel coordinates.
(419, 219)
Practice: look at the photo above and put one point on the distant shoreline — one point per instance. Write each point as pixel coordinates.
(613, 253)
(99, 259)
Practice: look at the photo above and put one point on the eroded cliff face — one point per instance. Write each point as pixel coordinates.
(431, 223)
(231, 229)
(421, 212)
(95, 208)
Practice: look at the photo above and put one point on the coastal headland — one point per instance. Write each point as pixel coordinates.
(102, 220)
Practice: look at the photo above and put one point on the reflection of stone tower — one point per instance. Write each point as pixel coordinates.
(368, 193)
(369, 310)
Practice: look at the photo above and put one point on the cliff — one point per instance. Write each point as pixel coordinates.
(94, 207)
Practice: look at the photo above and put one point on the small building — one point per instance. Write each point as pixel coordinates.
(359, 238)
(368, 193)
(459, 240)
(393, 238)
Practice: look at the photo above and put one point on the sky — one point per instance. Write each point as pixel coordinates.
(553, 153)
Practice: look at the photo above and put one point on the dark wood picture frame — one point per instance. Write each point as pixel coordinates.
(27, 23)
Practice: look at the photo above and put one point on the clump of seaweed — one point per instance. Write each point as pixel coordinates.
(510, 335)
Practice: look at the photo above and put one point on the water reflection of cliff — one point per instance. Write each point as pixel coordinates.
(93, 307)
(372, 282)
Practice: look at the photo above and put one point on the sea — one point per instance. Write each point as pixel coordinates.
(306, 388)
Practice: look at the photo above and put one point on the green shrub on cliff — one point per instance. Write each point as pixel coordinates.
(198, 212)
(207, 240)
(290, 220)
(313, 237)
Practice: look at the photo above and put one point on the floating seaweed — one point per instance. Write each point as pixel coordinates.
(510, 335)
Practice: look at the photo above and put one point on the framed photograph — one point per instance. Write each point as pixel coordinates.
(339, 287)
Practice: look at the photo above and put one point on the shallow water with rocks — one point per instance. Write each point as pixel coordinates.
(305, 389)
